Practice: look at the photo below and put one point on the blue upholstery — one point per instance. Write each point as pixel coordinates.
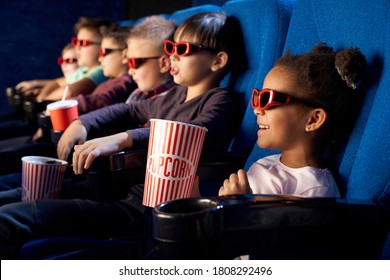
(181, 15)
(363, 166)
(264, 41)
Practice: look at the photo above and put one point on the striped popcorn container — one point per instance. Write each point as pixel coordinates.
(173, 156)
(42, 177)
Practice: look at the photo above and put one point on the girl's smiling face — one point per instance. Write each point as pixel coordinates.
(282, 127)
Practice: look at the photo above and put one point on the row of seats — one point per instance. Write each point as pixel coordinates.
(263, 43)
(362, 166)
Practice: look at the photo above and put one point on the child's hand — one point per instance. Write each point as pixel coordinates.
(86, 153)
(236, 184)
(29, 87)
(38, 134)
(195, 187)
(74, 134)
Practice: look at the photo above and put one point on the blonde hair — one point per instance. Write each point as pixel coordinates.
(66, 48)
(156, 29)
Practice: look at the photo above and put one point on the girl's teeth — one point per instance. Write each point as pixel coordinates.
(262, 126)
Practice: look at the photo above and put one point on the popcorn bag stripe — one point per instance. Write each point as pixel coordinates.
(176, 137)
(35, 179)
(187, 142)
(42, 180)
(173, 156)
(196, 140)
(181, 141)
(24, 179)
(39, 190)
(30, 180)
(48, 180)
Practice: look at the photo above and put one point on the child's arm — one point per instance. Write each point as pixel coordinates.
(49, 87)
(32, 87)
(84, 86)
(76, 133)
(86, 153)
(236, 184)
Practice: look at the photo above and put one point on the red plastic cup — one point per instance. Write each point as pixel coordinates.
(42, 177)
(62, 113)
(173, 156)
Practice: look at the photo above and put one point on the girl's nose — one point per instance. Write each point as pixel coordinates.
(257, 111)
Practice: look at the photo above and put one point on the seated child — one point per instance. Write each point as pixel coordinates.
(14, 125)
(114, 90)
(68, 60)
(199, 55)
(300, 112)
(68, 63)
(83, 81)
(89, 32)
(113, 62)
(145, 89)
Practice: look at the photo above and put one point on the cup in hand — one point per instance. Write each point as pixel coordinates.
(173, 156)
(42, 177)
(62, 113)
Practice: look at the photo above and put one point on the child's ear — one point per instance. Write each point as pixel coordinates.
(124, 56)
(316, 119)
(165, 64)
(220, 61)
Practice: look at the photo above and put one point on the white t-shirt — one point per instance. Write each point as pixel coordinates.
(269, 176)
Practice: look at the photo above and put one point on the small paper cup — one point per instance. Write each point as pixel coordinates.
(42, 177)
(62, 113)
(173, 156)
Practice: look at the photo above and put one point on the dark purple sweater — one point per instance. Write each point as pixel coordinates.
(110, 92)
(218, 110)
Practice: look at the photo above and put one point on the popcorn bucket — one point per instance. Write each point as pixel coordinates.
(42, 177)
(62, 113)
(173, 157)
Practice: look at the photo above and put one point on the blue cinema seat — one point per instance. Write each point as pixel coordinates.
(358, 223)
(181, 15)
(263, 44)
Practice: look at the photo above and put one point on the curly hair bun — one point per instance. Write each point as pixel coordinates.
(350, 64)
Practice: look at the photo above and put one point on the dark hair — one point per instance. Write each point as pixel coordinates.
(214, 30)
(119, 34)
(329, 80)
(97, 25)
